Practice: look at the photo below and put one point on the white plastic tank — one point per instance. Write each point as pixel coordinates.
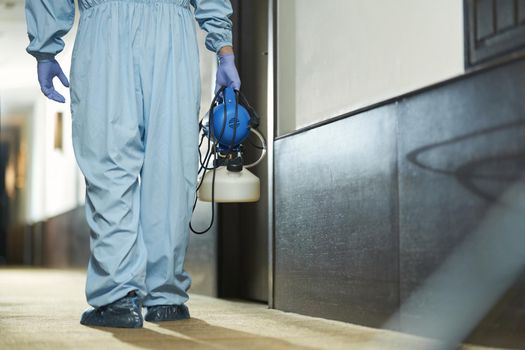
(230, 187)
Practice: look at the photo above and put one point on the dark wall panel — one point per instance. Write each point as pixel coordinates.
(368, 206)
(460, 148)
(335, 229)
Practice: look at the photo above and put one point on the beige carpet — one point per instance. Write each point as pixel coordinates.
(40, 309)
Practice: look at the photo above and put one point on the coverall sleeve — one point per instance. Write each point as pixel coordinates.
(213, 17)
(47, 22)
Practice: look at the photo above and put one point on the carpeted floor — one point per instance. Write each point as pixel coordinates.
(40, 309)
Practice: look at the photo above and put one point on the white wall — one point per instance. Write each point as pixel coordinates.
(336, 56)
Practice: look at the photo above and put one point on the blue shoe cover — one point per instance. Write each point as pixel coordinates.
(123, 313)
(160, 313)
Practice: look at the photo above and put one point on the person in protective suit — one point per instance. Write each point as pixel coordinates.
(135, 96)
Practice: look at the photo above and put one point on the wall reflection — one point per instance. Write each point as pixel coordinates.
(487, 175)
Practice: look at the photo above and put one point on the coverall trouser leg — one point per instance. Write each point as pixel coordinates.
(135, 90)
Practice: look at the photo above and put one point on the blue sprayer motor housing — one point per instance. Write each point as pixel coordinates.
(226, 138)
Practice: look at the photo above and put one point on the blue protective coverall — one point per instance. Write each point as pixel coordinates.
(135, 94)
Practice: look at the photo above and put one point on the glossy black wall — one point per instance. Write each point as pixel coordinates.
(369, 205)
(336, 240)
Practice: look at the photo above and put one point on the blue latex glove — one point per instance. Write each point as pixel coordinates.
(47, 70)
(227, 74)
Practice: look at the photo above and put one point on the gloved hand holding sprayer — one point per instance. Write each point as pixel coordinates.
(229, 123)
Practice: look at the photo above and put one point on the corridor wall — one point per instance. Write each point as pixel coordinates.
(368, 206)
(390, 155)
